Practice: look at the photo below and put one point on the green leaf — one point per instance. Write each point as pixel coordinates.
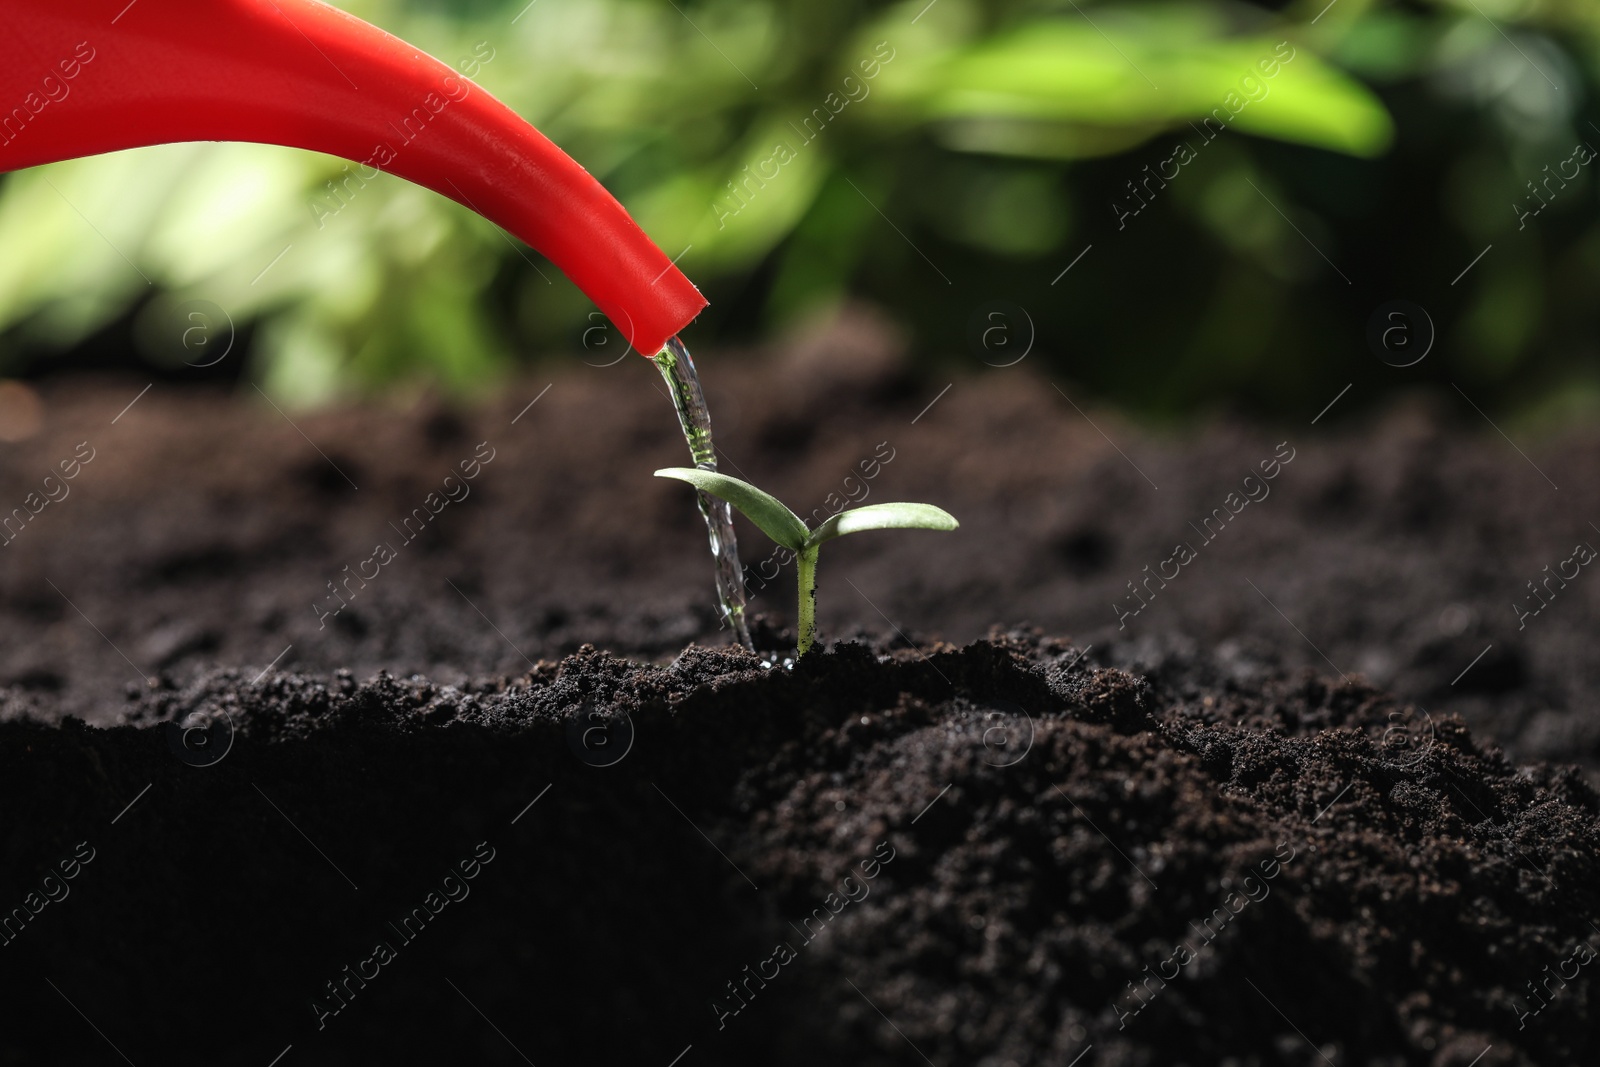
(763, 509)
(883, 517)
(1060, 87)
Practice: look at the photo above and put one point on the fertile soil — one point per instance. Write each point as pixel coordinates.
(1276, 809)
(988, 855)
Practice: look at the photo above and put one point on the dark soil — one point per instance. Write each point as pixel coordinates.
(206, 529)
(1038, 831)
(1302, 715)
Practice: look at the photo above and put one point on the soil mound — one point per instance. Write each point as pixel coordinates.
(1004, 853)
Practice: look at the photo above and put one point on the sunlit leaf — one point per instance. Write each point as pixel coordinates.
(1129, 79)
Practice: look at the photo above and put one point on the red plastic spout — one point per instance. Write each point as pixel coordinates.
(81, 77)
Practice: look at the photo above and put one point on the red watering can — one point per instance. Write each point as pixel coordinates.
(81, 77)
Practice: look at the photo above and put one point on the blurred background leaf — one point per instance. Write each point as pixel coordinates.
(927, 157)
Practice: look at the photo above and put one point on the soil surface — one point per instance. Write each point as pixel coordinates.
(999, 854)
(206, 531)
(1324, 793)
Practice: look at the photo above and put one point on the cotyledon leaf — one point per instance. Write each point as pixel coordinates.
(883, 517)
(763, 509)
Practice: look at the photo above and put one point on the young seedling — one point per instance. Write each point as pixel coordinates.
(790, 531)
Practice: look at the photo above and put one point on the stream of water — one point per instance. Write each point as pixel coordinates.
(677, 367)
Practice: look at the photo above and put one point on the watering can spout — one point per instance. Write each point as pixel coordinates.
(82, 77)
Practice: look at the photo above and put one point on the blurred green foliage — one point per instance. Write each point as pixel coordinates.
(930, 157)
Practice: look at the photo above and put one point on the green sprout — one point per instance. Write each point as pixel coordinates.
(789, 530)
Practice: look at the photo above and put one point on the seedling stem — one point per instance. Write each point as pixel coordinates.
(806, 565)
